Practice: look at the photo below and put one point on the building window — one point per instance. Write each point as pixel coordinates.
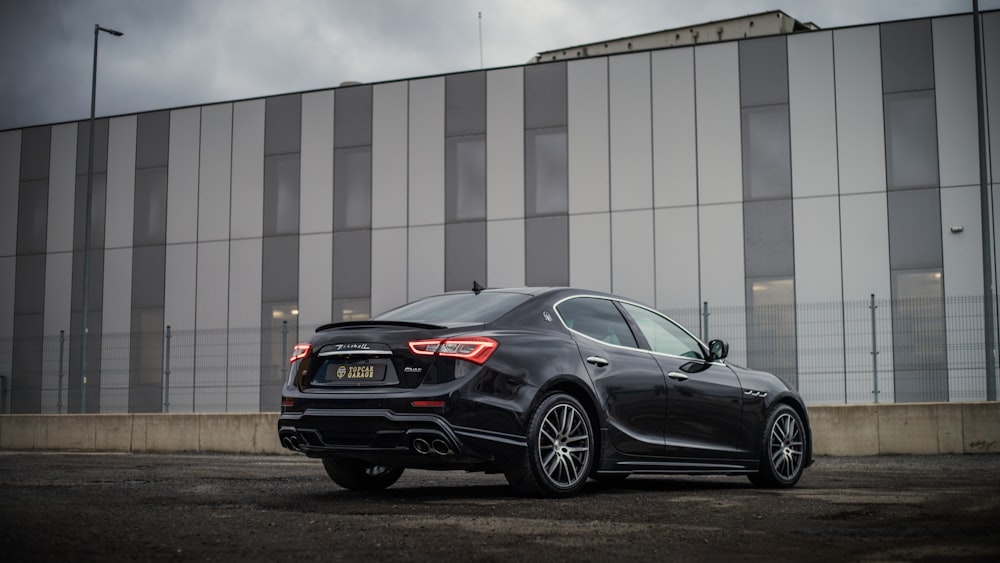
(911, 140)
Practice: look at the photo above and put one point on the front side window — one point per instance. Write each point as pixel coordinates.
(664, 336)
(598, 319)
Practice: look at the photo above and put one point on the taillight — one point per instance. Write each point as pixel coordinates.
(476, 349)
(300, 351)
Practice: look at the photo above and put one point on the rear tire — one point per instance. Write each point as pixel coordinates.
(560, 452)
(357, 475)
(783, 449)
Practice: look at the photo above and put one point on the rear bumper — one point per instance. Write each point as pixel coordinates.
(386, 437)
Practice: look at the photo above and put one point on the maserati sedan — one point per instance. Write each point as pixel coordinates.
(549, 386)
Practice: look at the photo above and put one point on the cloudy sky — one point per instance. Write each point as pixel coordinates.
(184, 52)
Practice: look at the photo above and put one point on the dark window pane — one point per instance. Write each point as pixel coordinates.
(152, 139)
(280, 263)
(767, 228)
(352, 188)
(486, 307)
(546, 248)
(911, 151)
(767, 160)
(35, 143)
(907, 57)
(281, 194)
(598, 319)
(919, 344)
(771, 340)
(464, 255)
(465, 104)
(282, 124)
(914, 229)
(352, 116)
(664, 336)
(545, 95)
(29, 284)
(148, 275)
(546, 172)
(763, 71)
(352, 264)
(465, 178)
(150, 226)
(32, 216)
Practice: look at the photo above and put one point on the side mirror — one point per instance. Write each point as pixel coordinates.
(718, 350)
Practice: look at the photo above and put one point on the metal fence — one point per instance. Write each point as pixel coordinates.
(868, 351)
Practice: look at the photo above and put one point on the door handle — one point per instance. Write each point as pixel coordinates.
(597, 361)
(677, 376)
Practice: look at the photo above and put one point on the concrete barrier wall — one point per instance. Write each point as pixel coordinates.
(848, 430)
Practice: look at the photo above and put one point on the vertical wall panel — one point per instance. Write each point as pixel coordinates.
(182, 178)
(717, 85)
(630, 132)
(62, 188)
(179, 302)
(426, 158)
(589, 250)
(676, 249)
(505, 253)
(860, 134)
(587, 137)
(315, 265)
(991, 66)
(675, 159)
(121, 182)
(211, 320)
(243, 363)
(7, 282)
(117, 321)
(632, 265)
(244, 283)
(425, 261)
(10, 166)
(504, 144)
(955, 91)
(389, 164)
(812, 108)
(247, 209)
(316, 182)
(722, 273)
(214, 172)
(388, 274)
(58, 293)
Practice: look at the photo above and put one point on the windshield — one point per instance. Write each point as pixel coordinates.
(456, 308)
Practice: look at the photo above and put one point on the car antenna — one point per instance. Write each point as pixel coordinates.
(476, 288)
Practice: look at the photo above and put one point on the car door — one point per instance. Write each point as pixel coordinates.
(704, 398)
(628, 380)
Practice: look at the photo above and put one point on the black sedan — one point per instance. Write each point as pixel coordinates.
(549, 386)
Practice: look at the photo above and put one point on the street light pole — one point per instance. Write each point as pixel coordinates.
(87, 219)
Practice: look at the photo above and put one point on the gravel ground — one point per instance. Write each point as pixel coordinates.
(129, 507)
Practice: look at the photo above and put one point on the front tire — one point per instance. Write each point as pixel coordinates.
(783, 449)
(560, 452)
(357, 475)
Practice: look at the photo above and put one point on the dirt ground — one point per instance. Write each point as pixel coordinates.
(128, 507)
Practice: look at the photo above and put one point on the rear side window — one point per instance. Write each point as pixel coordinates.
(598, 319)
(456, 308)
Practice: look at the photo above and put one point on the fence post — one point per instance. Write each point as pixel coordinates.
(873, 306)
(62, 341)
(704, 323)
(166, 371)
(284, 349)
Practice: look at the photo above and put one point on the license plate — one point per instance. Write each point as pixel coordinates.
(358, 372)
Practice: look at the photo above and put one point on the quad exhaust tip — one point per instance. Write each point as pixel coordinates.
(421, 446)
(436, 446)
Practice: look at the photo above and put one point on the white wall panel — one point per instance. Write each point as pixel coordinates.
(121, 183)
(316, 161)
(723, 276)
(315, 271)
(245, 263)
(991, 66)
(182, 175)
(214, 173)
(676, 248)
(631, 133)
(211, 318)
(116, 328)
(388, 271)
(247, 211)
(58, 292)
(62, 188)
(860, 132)
(590, 251)
(179, 302)
(505, 144)
(588, 136)
(389, 164)
(505, 253)
(632, 265)
(426, 158)
(955, 92)
(425, 261)
(812, 108)
(675, 157)
(10, 175)
(720, 156)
